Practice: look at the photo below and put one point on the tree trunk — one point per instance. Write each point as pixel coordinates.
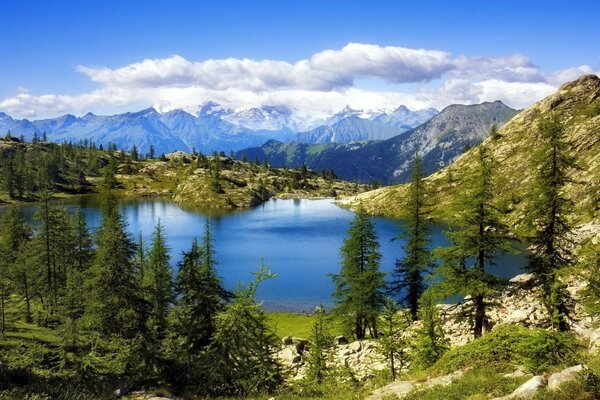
(479, 316)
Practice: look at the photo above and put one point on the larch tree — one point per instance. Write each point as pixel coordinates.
(408, 275)
(360, 283)
(549, 223)
(480, 238)
(115, 302)
(158, 283)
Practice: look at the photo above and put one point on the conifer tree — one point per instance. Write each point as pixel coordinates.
(481, 237)
(116, 305)
(201, 293)
(158, 283)
(393, 344)
(14, 244)
(72, 303)
(549, 221)
(408, 274)
(360, 283)
(429, 343)
(321, 341)
(241, 358)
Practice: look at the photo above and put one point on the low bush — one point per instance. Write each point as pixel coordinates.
(512, 345)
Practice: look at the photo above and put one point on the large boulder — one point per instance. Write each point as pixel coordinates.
(529, 388)
(563, 376)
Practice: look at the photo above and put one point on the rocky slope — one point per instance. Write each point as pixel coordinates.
(440, 140)
(577, 104)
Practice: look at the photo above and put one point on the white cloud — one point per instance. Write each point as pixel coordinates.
(318, 85)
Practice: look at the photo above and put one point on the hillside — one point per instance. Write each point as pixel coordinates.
(440, 140)
(577, 104)
(26, 169)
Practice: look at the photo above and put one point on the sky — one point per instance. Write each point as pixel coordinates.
(314, 57)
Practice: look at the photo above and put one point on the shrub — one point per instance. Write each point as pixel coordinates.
(510, 345)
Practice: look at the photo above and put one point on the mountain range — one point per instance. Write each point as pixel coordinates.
(577, 105)
(440, 140)
(214, 127)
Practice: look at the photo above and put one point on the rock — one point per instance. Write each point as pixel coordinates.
(340, 340)
(594, 338)
(522, 278)
(519, 372)
(397, 388)
(288, 340)
(565, 375)
(300, 344)
(289, 356)
(355, 347)
(120, 392)
(517, 316)
(529, 388)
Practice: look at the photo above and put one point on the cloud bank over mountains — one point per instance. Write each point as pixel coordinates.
(315, 87)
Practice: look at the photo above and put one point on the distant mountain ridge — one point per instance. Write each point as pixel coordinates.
(440, 141)
(215, 127)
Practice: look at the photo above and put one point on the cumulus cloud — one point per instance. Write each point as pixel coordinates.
(320, 84)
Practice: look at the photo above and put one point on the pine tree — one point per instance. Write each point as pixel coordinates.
(73, 302)
(479, 240)
(158, 283)
(408, 274)
(115, 303)
(201, 294)
(392, 344)
(321, 341)
(360, 283)
(548, 220)
(429, 343)
(241, 358)
(54, 247)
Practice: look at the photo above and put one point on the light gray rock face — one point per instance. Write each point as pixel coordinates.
(565, 375)
(530, 388)
(400, 389)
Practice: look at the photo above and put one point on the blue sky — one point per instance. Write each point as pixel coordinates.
(45, 42)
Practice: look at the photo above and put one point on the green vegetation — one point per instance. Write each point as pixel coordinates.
(479, 240)
(549, 222)
(360, 283)
(408, 275)
(509, 346)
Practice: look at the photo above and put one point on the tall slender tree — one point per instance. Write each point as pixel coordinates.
(409, 272)
(479, 240)
(115, 301)
(360, 283)
(158, 283)
(549, 223)
(201, 293)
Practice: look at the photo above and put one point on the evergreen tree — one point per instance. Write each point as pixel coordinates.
(393, 344)
(73, 301)
(54, 247)
(158, 284)
(116, 306)
(408, 274)
(134, 153)
(321, 342)
(201, 294)
(548, 220)
(480, 239)
(14, 246)
(360, 283)
(241, 358)
(215, 175)
(429, 343)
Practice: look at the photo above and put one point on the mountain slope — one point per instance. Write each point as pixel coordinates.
(440, 140)
(577, 104)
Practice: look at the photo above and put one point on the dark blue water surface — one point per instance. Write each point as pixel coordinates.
(298, 239)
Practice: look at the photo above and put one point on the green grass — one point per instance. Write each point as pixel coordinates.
(473, 385)
(298, 325)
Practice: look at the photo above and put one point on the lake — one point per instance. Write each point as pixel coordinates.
(298, 239)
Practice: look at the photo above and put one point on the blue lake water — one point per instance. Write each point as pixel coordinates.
(298, 239)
